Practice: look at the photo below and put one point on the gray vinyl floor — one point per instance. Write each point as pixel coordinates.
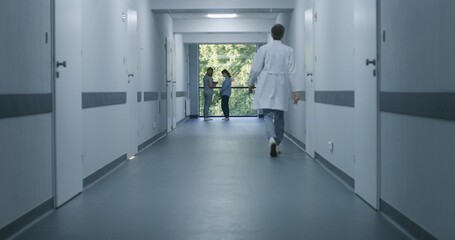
(215, 180)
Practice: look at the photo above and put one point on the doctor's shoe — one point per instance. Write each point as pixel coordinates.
(272, 145)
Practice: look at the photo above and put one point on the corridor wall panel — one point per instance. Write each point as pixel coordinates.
(295, 118)
(26, 109)
(417, 135)
(151, 74)
(103, 134)
(103, 71)
(334, 79)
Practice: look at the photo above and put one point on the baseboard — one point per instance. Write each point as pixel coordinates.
(22, 222)
(404, 222)
(181, 121)
(103, 171)
(147, 143)
(295, 140)
(346, 179)
(194, 116)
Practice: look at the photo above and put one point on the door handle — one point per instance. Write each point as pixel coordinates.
(309, 74)
(130, 74)
(61, 64)
(368, 62)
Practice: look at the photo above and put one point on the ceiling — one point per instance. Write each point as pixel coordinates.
(256, 13)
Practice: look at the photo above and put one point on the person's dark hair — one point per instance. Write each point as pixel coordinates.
(277, 31)
(209, 69)
(227, 72)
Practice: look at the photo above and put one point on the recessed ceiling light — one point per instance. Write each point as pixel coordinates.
(222, 15)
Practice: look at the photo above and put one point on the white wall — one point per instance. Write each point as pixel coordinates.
(219, 4)
(333, 71)
(209, 38)
(26, 141)
(151, 71)
(235, 25)
(181, 75)
(164, 29)
(295, 118)
(417, 152)
(193, 52)
(104, 133)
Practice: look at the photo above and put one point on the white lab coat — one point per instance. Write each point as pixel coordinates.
(273, 74)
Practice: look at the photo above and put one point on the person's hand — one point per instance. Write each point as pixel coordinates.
(295, 97)
(250, 88)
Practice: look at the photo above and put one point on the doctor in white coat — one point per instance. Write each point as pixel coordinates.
(273, 75)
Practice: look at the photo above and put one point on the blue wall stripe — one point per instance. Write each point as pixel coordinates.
(433, 105)
(339, 98)
(181, 94)
(151, 96)
(100, 99)
(16, 105)
(163, 95)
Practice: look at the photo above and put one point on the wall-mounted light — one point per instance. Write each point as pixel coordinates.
(222, 15)
(123, 16)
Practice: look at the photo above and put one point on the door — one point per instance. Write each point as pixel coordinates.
(366, 101)
(309, 82)
(170, 85)
(132, 78)
(67, 100)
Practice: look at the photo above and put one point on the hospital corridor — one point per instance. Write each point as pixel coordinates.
(139, 119)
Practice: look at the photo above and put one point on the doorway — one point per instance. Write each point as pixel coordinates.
(132, 78)
(309, 82)
(67, 100)
(170, 84)
(366, 102)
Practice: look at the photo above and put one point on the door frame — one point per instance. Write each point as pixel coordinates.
(309, 101)
(55, 129)
(132, 78)
(375, 204)
(378, 101)
(170, 84)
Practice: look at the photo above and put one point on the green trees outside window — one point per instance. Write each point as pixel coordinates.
(237, 59)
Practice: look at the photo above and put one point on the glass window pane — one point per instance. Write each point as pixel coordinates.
(237, 59)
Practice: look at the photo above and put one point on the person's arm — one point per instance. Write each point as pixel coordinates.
(212, 84)
(256, 68)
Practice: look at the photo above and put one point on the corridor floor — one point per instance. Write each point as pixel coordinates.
(215, 181)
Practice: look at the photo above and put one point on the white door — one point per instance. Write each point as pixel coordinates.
(309, 82)
(366, 101)
(132, 77)
(170, 84)
(67, 100)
